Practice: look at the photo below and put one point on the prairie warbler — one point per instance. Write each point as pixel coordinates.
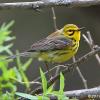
(58, 47)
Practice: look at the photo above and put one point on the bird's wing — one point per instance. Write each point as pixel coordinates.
(46, 44)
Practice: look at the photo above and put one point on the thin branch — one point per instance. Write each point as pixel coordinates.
(81, 75)
(98, 58)
(91, 44)
(54, 18)
(69, 68)
(49, 3)
(83, 94)
(91, 94)
(38, 78)
(31, 82)
(55, 27)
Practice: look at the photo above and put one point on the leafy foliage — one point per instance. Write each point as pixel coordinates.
(47, 91)
(27, 96)
(5, 37)
(10, 76)
(22, 67)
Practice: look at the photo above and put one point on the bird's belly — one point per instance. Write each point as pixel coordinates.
(63, 57)
(56, 56)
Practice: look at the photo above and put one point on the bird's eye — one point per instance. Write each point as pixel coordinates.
(71, 32)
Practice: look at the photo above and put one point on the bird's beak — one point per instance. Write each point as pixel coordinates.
(81, 28)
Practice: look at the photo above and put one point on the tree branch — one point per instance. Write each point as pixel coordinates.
(83, 94)
(91, 44)
(92, 93)
(49, 3)
(81, 75)
(69, 68)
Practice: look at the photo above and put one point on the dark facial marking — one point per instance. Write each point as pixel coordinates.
(73, 31)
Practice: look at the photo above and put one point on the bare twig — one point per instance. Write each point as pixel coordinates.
(69, 68)
(38, 78)
(91, 44)
(55, 27)
(31, 82)
(98, 58)
(91, 94)
(54, 18)
(83, 94)
(81, 75)
(49, 3)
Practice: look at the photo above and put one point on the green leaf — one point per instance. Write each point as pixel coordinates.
(44, 82)
(6, 27)
(11, 73)
(55, 93)
(10, 24)
(61, 84)
(27, 96)
(19, 77)
(27, 64)
(19, 64)
(4, 32)
(22, 73)
(4, 48)
(9, 51)
(50, 89)
(10, 86)
(60, 93)
(9, 38)
(7, 96)
(43, 98)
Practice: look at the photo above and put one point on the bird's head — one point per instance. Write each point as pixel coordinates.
(72, 31)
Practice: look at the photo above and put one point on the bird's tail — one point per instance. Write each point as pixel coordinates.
(24, 54)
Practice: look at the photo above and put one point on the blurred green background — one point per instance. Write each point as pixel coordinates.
(31, 26)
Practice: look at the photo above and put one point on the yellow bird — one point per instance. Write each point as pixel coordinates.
(58, 47)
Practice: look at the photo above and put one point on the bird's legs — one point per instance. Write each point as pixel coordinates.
(49, 74)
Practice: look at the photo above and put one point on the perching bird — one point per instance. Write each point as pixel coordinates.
(58, 47)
